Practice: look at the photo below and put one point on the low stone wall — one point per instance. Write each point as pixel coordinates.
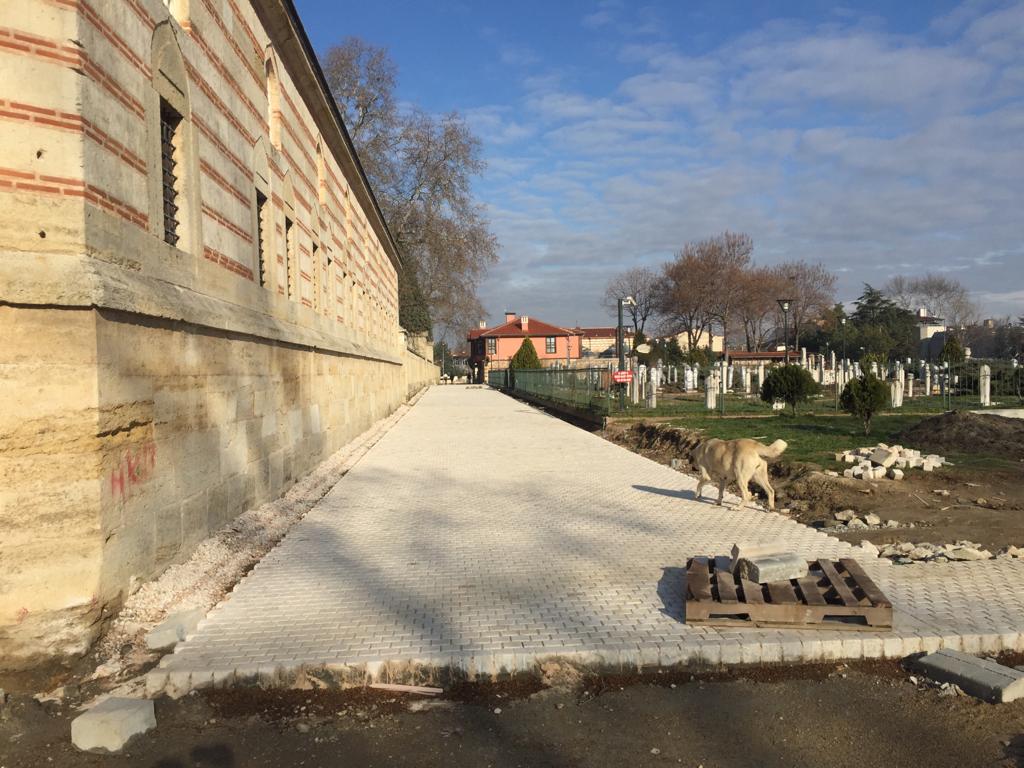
(127, 439)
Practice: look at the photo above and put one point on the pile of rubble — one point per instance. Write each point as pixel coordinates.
(906, 552)
(848, 520)
(884, 460)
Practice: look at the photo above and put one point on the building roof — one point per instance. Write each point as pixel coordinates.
(770, 354)
(514, 328)
(602, 332)
(281, 21)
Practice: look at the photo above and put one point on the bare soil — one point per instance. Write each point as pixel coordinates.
(985, 504)
(961, 432)
(867, 715)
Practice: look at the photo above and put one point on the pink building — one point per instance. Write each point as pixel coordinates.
(492, 348)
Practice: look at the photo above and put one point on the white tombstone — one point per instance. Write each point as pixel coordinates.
(908, 390)
(803, 357)
(711, 392)
(985, 385)
(652, 388)
(688, 379)
(928, 381)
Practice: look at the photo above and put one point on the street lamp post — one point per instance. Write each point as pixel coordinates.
(784, 306)
(621, 343)
(842, 322)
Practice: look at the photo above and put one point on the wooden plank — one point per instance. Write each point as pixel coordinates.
(751, 592)
(811, 591)
(868, 587)
(724, 579)
(837, 583)
(726, 586)
(782, 593)
(698, 579)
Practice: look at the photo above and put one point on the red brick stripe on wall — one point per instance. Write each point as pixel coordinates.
(231, 227)
(13, 180)
(227, 262)
(12, 110)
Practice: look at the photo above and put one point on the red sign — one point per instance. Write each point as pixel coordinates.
(622, 377)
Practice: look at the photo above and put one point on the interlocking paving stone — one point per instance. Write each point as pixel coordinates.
(484, 534)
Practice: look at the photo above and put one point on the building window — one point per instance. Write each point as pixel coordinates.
(289, 251)
(316, 277)
(170, 124)
(549, 345)
(492, 346)
(261, 237)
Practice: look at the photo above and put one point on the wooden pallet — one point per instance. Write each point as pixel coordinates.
(836, 595)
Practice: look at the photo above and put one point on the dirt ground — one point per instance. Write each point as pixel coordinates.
(867, 715)
(985, 504)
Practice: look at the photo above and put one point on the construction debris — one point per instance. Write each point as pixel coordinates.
(880, 461)
(112, 723)
(982, 678)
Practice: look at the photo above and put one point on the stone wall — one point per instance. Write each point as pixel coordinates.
(151, 391)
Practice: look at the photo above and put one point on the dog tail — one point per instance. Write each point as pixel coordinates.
(772, 451)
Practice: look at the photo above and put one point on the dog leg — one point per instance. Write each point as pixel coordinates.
(721, 492)
(743, 483)
(762, 480)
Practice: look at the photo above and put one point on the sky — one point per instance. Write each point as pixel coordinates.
(877, 138)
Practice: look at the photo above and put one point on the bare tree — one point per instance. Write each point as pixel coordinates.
(703, 286)
(683, 297)
(757, 308)
(811, 289)
(731, 258)
(420, 166)
(940, 295)
(638, 282)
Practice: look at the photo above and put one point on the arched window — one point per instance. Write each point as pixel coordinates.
(321, 174)
(273, 101)
(263, 216)
(291, 246)
(174, 196)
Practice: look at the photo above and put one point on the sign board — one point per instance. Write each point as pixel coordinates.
(622, 377)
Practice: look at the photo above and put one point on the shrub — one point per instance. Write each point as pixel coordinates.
(863, 397)
(789, 383)
(526, 357)
(952, 350)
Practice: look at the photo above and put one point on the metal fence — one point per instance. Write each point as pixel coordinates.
(960, 385)
(583, 389)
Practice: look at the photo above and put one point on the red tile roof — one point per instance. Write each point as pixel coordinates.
(514, 328)
(602, 332)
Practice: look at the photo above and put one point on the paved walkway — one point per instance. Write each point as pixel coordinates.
(483, 534)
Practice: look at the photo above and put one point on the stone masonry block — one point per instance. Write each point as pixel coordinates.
(174, 629)
(884, 457)
(979, 677)
(762, 569)
(112, 723)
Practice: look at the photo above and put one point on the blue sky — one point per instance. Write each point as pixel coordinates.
(877, 138)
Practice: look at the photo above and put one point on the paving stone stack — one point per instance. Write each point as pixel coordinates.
(962, 551)
(880, 461)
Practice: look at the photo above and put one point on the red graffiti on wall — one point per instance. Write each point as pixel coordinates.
(135, 468)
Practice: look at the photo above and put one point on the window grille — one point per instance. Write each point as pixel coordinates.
(170, 122)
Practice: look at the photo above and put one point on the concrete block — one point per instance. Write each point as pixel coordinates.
(849, 473)
(884, 457)
(896, 474)
(174, 629)
(982, 678)
(762, 569)
(740, 551)
(112, 723)
(872, 519)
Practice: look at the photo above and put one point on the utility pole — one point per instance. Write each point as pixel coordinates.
(784, 306)
(621, 343)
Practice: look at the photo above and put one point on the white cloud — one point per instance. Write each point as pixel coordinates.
(872, 152)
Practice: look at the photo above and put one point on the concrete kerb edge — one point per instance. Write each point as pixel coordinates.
(446, 670)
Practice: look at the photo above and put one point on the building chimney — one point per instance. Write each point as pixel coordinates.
(482, 325)
(524, 322)
(509, 316)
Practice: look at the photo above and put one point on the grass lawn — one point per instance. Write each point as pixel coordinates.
(815, 438)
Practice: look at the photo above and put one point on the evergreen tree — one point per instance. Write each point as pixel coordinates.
(526, 357)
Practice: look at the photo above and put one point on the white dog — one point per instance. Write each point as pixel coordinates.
(720, 461)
